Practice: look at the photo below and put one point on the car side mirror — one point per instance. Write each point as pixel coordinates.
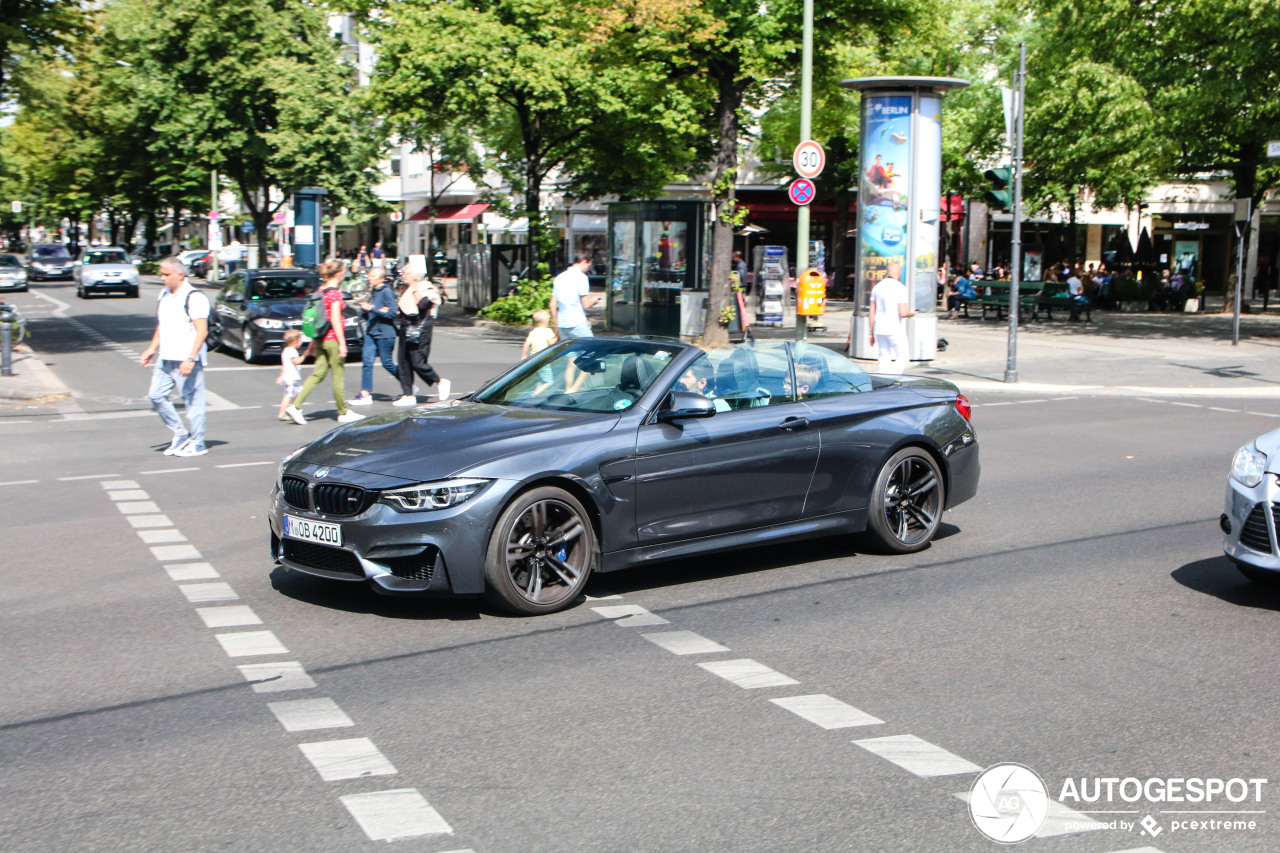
(686, 404)
(235, 297)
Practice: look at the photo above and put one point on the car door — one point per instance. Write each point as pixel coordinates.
(747, 466)
(230, 309)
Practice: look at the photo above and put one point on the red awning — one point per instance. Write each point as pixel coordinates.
(450, 213)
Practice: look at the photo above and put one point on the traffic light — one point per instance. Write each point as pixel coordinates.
(999, 197)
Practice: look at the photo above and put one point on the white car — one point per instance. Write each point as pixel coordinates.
(105, 270)
(1253, 501)
(13, 275)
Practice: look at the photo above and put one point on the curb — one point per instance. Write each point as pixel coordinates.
(51, 387)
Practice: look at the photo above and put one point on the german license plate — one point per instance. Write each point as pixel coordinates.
(312, 531)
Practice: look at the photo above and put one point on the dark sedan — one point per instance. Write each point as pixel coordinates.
(256, 307)
(606, 453)
(50, 260)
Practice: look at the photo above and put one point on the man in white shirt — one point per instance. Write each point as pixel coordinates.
(570, 299)
(182, 324)
(1076, 288)
(889, 307)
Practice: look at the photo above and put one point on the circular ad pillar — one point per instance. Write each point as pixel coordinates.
(899, 195)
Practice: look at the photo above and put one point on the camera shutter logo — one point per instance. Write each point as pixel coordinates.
(1008, 803)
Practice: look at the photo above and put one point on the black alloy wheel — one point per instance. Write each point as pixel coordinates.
(907, 502)
(541, 552)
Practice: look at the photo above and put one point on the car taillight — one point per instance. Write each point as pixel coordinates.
(963, 407)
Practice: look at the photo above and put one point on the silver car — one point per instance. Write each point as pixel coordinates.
(105, 270)
(13, 275)
(1253, 502)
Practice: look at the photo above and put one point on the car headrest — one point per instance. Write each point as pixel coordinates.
(637, 374)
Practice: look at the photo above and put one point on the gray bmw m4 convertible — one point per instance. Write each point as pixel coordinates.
(607, 453)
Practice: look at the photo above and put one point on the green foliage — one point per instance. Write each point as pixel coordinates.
(517, 309)
(149, 268)
(1130, 289)
(35, 29)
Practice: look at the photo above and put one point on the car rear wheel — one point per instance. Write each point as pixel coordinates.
(907, 503)
(213, 340)
(541, 552)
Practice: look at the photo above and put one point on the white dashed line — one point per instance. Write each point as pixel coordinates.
(918, 756)
(685, 643)
(19, 482)
(353, 758)
(243, 644)
(191, 572)
(169, 470)
(86, 477)
(276, 677)
(175, 553)
(827, 711)
(136, 507)
(1186, 405)
(1263, 414)
(198, 593)
(244, 464)
(748, 674)
(230, 616)
(157, 537)
(1059, 820)
(129, 495)
(304, 715)
(140, 521)
(120, 484)
(1140, 850)
(630, 615)
(1220, 409)
(391, 815)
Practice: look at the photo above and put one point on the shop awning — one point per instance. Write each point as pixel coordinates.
(450, 213)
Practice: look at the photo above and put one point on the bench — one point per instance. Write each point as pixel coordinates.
(1056, 295)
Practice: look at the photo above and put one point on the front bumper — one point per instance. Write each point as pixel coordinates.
(1249, 523)
(36, 274)
(11, 283)
(113, 285)
(398, 553)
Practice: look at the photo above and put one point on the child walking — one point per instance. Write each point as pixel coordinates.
(290, 377)
(540, 337)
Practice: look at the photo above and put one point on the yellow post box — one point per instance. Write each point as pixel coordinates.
(811, 293)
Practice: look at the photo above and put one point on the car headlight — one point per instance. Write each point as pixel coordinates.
(1248, 466)
(268, 323)
(429, 496)
(20, 275)
(285, 461)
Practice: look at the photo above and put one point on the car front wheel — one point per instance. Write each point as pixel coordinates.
(251, 348)
(541, 552)
(907, 503)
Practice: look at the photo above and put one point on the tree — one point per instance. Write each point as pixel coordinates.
(30, 29)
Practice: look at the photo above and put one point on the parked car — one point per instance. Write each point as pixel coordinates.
(13, 276)
(255, 308)
(196, 261)
(106, 270)
(608, 453)
(1248, 518)
(49, 261)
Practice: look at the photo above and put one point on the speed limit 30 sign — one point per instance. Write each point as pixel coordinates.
(809, 159)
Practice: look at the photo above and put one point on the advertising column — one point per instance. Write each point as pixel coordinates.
(899, 195)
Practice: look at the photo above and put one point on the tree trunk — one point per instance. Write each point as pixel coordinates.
(150, 232)
(723, 183)
(1071, 231)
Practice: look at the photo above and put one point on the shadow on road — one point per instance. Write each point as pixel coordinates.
(359, 598)
(1218, 577)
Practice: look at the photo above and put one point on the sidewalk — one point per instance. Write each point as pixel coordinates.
(32, 379)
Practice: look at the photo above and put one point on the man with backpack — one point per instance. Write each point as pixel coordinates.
(182, 324)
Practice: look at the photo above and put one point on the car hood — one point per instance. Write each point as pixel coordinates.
(99, 268)
(441, 440)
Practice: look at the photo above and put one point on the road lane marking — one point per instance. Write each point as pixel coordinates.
(191, 571)
(1059, 820)
(685, 643)
(304, 715)
(87, 477)
(826, 711)
(276, 677)
(129, 495)
(392, 815)
(1263, 414)
(139, 521)
(19, 482)
(1186, 405)
(1220, 409)
(168, 470)
(228, 616)
(243, 644)
(174, 553)
(748, 674)
(917, 756)
(353, 758)
(158, 537)
(198, 593)
(246, 464)
(630, 615)
(136, 507)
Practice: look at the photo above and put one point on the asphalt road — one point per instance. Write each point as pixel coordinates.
(1077, 617)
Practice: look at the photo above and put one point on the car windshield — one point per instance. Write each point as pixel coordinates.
(9, 261)
(106, 258)
(280, 288)
(51, 252)
(584, 375)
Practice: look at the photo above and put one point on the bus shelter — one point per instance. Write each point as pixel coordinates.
(659, 263)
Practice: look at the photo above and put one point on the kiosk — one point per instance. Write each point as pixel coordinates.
(658, 267)
(307, 229)
(899, 196)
